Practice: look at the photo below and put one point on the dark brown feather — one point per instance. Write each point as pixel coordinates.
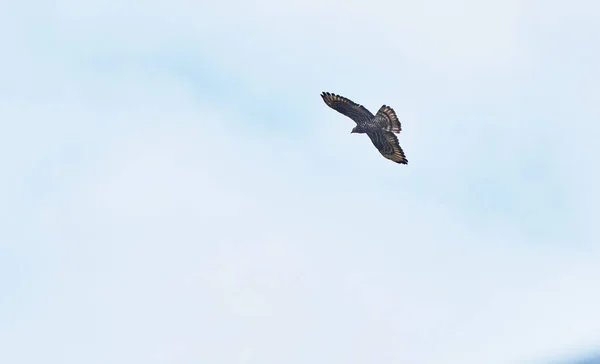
(386, 116)
(347, 107)
(387, 144)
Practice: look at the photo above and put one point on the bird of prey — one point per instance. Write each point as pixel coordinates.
(379, 127)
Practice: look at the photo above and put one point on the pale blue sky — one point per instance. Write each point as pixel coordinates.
(176, 191)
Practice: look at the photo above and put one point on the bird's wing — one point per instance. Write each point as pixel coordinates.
(354, 111)
(387, 144)
(386, 118)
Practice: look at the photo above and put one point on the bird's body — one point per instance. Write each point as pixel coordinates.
(381, 127)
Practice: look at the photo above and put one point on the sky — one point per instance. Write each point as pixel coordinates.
(174, 189)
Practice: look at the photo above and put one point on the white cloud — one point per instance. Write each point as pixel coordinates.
(269, 39)
(179, 247)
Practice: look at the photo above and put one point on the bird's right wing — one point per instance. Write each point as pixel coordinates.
(387, 144)
(345, 106)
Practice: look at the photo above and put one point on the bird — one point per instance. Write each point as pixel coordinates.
(381, 127)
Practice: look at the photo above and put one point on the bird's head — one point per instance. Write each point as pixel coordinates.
(356, 129)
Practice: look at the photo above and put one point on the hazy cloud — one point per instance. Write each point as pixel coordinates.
(177, 191)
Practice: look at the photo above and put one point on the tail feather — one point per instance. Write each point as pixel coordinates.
(388, 119)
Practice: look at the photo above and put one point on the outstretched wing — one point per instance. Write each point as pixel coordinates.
(386, 118)
(387, 144)
(354, 111)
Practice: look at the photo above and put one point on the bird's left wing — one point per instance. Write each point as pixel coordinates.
(387, 144)
(351, 109)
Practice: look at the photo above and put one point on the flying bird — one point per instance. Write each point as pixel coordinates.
(380, 127)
